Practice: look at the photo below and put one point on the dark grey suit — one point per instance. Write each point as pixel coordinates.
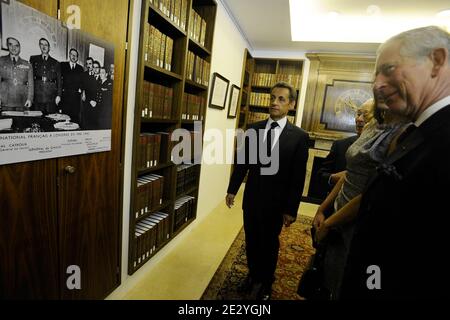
(268, 197)
(403, 220)
(334, 162)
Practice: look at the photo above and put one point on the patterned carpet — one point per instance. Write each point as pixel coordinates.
(295, 250)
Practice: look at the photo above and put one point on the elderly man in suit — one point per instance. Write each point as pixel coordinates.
(47, 79)
(72, 84)
(16, 79)
(401, 235)
(270, 198)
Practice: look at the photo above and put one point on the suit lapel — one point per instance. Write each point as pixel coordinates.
(418, 137)
(409, 144)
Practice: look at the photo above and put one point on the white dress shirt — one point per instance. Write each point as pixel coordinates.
(435, 107)
(281, 124)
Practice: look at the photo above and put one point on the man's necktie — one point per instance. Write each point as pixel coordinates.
(14, 61)
(270, 137)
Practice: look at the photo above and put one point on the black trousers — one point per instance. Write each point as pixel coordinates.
(262, 244)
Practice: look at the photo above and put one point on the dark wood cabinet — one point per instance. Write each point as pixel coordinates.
(52, 217)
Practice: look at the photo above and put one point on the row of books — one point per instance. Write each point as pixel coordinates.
(175, 10)
(157, 47)
(269, 79)
(157, 101)
(184, 210)
(260, 99)
(197, 69)
(193, 107)
(197, 28)
(149, 150)
(292, 79)
(150, 233)
(187, 177)
(259, 116)
(149, 194)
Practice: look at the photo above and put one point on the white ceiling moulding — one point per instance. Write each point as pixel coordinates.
(238, 26)
(317, 21)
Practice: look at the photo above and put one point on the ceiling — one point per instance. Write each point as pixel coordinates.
(266, 23)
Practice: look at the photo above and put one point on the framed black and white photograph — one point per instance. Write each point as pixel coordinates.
(233, 102)
(219, 90)
(56, 87)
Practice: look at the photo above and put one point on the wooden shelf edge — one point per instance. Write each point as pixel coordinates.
(191, 189)
(157, 120)
(153, 169)
(165, 72)
(165, 204)
(167, 19)
(199, 46)
(195, 84)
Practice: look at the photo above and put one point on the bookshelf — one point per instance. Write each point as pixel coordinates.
(258, 76)
(175, 48)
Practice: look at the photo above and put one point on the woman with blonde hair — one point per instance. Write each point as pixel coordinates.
(375, 142)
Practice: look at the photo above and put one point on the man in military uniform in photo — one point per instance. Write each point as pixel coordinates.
(16, 79)
(47, 80)
(72, 84)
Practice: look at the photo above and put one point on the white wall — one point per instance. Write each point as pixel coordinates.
(227, 59)
(300, 55)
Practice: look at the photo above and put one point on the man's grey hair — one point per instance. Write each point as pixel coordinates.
(418, 43)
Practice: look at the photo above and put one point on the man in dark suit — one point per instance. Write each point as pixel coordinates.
(271, 197)
(72, 83)
(91, 87)
(47, 79)
(401, 233)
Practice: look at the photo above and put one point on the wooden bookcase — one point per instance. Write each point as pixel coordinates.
(258, 75)
(175, 44)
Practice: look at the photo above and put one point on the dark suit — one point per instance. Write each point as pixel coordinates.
(72, 84)
(47, 83)
(268, 197)
(334, 162)
(90, 114)
(402, 225)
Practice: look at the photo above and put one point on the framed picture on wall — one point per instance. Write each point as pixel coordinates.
(341, 101)
(233, 102)
(219, 90)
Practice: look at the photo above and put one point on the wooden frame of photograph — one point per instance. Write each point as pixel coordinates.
(219, 90)
(233, 101)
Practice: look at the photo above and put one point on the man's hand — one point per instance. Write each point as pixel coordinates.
(229, 199)
(336, 176)
(288, 219)
(319, 218)
(57, 100)
(93, 103)
(28, 104)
